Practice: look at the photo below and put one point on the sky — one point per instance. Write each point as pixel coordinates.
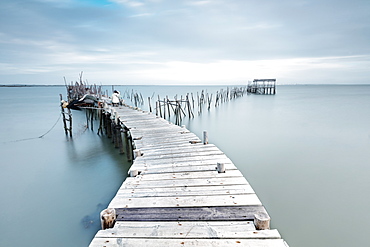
(150, 42)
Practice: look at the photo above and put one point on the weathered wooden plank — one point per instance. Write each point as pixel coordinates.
(189, 175)
(155, 133)
(187, 191)
(137, 182)
(188, 230)
(181, 147)
(147, 123)
(219, 158)
(203, 160)
(194, 153)
(160, 132)
(147, 169)
(166, 138)
(134, 242)
(154, 128)
(211, 213)
(166, 141)
(185, 201)
(183, 163)
(147, 144)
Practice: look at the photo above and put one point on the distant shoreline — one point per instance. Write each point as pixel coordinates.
(25, 85)
(21, 85)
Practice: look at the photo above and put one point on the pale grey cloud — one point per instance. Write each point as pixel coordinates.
(129, 3)
(159, 39)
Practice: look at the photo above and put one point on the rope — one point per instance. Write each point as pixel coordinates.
(47, 132)
(41, 136)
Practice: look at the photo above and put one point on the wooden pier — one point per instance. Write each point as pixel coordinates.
(181, 191)
(262, 86)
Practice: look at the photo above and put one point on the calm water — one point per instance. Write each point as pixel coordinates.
(306, 152)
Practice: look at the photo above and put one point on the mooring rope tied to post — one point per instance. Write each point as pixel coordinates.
(38, 137)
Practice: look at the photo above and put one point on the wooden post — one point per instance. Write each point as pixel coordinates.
(164, 108)
(120, 142)
(221, 168)
(134, 173)
(168, 106)
(63, 114)
(92, 118)
(117, 138)
(107, 218)
(70, 122)
(137, 153)
(109, 125)
(127, 144)
(205, 137)
(87, 117)
(150, 106)
(262, 221)
(159, 106)
(100, 115)
(113, 128)
(156, 108)
(192, 99)
(116, 117)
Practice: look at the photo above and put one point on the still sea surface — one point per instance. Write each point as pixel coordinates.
(305, 151)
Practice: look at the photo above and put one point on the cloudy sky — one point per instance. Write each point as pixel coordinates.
(184, 41)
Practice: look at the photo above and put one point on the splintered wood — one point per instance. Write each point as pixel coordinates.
(182, 191)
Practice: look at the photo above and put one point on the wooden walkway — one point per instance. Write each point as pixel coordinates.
(179, 198)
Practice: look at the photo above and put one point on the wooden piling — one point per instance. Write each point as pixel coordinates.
(63, 114)
(118, 137)
(205, 137)
(107, 218)
(66, 116)
(221, 168)
(262, 221)
(168, 107)
(70, 122)
(120, 142)
(137, 153)
(164, 108)
(134, 173)
(128, 144)
(150, 106)
(109, 125)
(156, 108)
